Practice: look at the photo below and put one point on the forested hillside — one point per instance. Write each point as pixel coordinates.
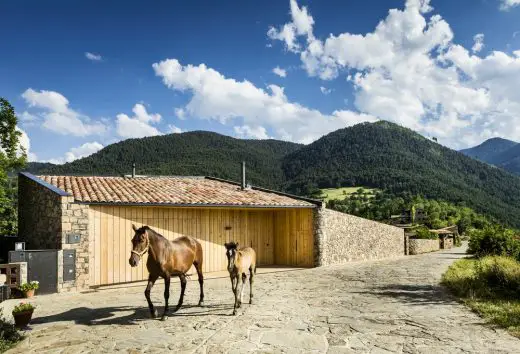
(381, 155)
(390, 157)
(192, 153)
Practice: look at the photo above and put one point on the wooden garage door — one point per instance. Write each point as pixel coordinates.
(293, 235)
(111, 230)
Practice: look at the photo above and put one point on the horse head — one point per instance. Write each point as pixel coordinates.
(231, 252)
(140, 245)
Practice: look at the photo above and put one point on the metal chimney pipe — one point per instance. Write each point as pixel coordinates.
(243, 175)
(133, 170)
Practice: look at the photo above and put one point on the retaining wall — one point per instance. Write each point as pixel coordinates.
(418, 246)
(341, 238)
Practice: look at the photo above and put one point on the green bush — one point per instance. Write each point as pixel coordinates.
(501, 275)
(422, 232)
(9, 335)
(494, 241)
(490, 286)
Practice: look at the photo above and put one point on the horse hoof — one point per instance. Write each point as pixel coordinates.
(234, 313)
(201, 303)
(164, 318)
(153, 314)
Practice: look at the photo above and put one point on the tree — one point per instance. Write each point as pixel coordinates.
(12, 157)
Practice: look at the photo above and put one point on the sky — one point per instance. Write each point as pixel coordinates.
(85, 74)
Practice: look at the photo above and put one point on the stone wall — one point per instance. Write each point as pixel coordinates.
(39, 215)
(74, 221)
(46, 217)
(418, 246)
(341, 238)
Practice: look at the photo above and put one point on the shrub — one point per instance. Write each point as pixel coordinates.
(422, 232)
(501, 275)
(490, 286)
(494, 241)
(9, 335)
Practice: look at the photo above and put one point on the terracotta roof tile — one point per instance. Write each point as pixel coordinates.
(167, 190)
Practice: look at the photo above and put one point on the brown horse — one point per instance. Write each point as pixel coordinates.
(239, 262)
(166, 259)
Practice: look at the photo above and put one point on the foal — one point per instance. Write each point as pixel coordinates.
(239, 262)
(166, 259)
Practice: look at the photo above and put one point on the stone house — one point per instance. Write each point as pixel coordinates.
(93, 216)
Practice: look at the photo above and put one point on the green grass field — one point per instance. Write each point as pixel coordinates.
(342, 193)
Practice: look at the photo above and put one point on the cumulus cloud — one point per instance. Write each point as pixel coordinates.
(301, 25)
(172, 129)
(79, 152)
(478, 44)
(410, 71)
(506, 5)
(93, 57)
(180, 113)
(139, 125)
(58, 116)
(325, 90)
(230, 101)
(255, 132)
(84, 150)
(280, 72)
(25, 142)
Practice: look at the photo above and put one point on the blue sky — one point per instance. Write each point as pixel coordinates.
(82, 75)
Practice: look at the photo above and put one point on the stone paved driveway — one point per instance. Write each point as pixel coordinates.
(373, 307)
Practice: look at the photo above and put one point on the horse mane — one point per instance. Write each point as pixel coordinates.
(231, 245)
(145, 228)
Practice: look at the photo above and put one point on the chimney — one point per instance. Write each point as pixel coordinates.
(133, 170)
(243, 175)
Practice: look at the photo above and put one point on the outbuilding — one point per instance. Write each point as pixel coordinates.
(87, 222)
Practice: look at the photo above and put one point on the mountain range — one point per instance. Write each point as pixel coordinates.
(500, 152)
(381, 155)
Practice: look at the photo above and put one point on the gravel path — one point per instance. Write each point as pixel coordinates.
(391, 306)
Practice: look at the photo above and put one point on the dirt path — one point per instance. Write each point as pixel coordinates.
(372, 307)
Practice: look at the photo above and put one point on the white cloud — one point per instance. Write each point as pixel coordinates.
(76, 153)
(84, 150)
(479, 43)
(280, 72)
(139, 125)
(25, 142)
(58, 116)
(93, 57)
(172, 129)
(325, 90)
(409, 70)
(301, 25)
(255, 132)
(180, 113)
(506, 5)
(27, 117)
(226, 100)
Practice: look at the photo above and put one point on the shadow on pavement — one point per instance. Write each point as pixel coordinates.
(414, 294)
(112, 315)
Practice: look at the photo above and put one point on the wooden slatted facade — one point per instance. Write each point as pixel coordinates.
(279, 236)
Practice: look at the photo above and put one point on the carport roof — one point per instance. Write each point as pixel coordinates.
(168, 191)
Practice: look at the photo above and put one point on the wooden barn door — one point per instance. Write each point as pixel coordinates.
(293, 237)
